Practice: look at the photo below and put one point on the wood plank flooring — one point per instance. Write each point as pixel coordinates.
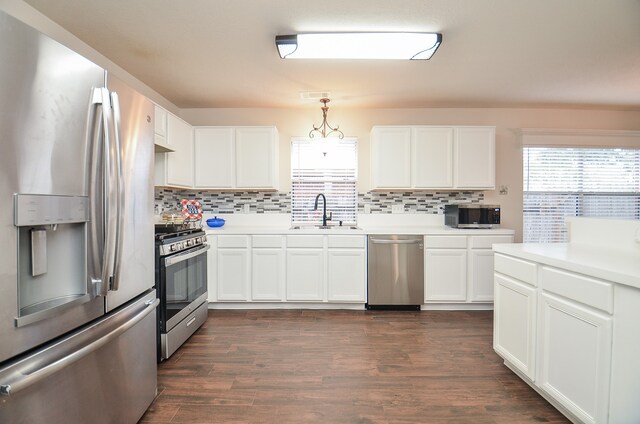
(305, 366)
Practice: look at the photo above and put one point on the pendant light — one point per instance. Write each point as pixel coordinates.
(322, 128)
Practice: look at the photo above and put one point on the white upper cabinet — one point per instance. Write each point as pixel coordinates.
(475, 157)
(176, 168)
(160, 122)
(390, 157)
(236, 157)
(433, 157)
(160, 130)
(256, 157)
(214, 157)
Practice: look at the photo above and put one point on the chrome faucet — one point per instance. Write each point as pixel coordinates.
(325, 218)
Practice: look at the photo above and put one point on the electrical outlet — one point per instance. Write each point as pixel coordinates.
(247, 208)
(397, 208)
(504, 190)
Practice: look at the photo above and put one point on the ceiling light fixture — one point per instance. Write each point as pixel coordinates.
(322, 128)
(359, 45)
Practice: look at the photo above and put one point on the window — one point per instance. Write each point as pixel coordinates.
(327, 166)
(561, 182)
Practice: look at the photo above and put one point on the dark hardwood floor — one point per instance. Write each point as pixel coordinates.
(302, 366)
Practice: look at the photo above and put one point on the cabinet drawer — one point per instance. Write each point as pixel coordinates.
(486, 242)
(516, 268)
(267, 241)
(592, 292)
(233, 241)
(445, 242)
(305, 241)
(347, 241)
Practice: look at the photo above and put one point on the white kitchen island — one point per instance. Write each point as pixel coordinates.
(567, 319)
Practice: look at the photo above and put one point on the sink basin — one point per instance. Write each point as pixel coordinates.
(328, 227)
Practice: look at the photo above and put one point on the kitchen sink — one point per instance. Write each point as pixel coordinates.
(328, 227)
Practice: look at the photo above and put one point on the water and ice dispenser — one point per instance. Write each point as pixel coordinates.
(52, 254)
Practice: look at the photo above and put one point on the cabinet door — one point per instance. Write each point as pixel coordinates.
(214, 157)
(160, 122)
(475, 157)
(574, 357)
(346, 276)
(180, 162)
(256, 157)
(267, 274)
(445, 275)
(432, 158)
(481, 275)
(514, 323)
(233, 274)
(305, 274)
(391, 157)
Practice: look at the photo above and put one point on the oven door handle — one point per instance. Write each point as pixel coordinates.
(172, 260)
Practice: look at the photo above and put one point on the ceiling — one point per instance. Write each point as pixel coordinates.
(495, 53)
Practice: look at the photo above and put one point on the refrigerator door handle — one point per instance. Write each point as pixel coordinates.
(103, 215)
(26, 376)
(111, 194)
(120, 200)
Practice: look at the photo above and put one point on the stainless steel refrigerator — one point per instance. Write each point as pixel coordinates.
(77, 305)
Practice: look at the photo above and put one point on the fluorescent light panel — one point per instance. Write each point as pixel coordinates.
(359, 45)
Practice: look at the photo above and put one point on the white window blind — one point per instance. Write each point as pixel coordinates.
(561, 182)
(327, 166)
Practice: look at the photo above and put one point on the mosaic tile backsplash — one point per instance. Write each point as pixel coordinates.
(280, 202)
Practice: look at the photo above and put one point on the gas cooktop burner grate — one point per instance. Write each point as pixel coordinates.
(166, 231)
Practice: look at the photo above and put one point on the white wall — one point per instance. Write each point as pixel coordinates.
(25, 13)
(358, 123)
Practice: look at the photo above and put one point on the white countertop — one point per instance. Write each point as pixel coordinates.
(362, 231)
(422, 224)
(619, 266)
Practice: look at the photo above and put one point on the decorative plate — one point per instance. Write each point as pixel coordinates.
(191, 210)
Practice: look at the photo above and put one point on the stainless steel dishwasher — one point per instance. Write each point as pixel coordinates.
(395, 272)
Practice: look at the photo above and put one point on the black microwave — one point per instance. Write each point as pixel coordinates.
(471, 215)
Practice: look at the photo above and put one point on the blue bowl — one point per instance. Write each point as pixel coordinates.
(215, 222)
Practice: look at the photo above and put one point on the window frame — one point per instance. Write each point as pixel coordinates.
(344, 210)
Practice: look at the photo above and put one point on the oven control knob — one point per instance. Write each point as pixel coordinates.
(172, 248)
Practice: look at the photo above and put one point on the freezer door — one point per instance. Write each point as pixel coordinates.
(135, 266)
(102, 373)
(47, 112)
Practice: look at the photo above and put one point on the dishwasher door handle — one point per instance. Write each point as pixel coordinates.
(386, 241)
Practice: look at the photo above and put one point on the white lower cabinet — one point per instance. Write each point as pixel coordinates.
(267, 268)
(267, 274)
(514, 328)
(233, 274)
(574, 357)
(292, 268)
(556, 327)
(480, 269)
(445, 275)
(346, 275)
(305, 274)
(460, 268)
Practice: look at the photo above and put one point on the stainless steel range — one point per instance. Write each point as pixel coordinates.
(181, 283)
